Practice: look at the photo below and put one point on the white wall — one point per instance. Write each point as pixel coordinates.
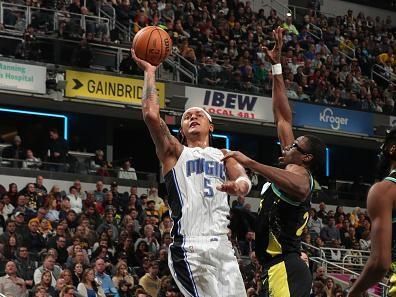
(5, 180)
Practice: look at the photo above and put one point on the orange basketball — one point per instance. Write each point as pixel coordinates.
(152, 44)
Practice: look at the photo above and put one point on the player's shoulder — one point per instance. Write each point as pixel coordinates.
(381, 197)
(383, 186)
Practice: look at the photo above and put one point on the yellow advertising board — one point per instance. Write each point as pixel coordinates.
(117, 89)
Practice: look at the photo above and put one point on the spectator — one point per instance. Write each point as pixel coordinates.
(45, 284)
(247, 246)
(150, 281)
(10, 231)
(10, 284)
(99, 192)
(330, 233)
(8, 208)
(31, 162)
(15, 151)
(10, 248)
(78, 271)
(57, 150)
(289, 27)
(153, 195)
(127, 172)
(320, 275)
(103, 278)
(48, 265)
(75, 200)
(88, 285)
(322, 213)
(25, 266)
(329, 288)
(39, 186)
(315, 224)
(33, 239)
(122, 275)
(109, 224)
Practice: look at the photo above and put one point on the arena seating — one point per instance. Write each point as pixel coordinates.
(345, 61)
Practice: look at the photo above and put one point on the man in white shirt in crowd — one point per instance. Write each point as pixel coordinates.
(127, 172)
(10, 284)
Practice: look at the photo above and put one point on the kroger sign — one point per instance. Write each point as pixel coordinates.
(331, 118)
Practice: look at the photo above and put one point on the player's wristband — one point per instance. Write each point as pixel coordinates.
(246, 180)
(277, 69)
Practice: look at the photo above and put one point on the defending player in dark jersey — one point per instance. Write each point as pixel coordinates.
(381, 206)
(286, 199)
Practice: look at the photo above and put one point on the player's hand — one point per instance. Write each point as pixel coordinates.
(274, 55)
(143, 65)
(230, 187)
(239, 157)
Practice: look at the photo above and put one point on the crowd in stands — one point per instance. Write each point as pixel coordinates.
(326, 59)
(101, 241)
(57, 158)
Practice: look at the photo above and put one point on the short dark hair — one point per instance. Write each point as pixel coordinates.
(318, 150)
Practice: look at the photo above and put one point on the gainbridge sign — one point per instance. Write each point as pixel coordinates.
(115, 89)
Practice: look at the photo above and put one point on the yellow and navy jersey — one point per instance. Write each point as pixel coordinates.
(280, 223)
(392, 282)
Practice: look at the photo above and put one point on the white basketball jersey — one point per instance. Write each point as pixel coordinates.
(197, 207)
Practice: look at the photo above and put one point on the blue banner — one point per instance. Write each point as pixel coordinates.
(332, 118)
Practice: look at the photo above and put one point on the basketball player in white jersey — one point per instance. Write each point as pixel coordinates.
(201, 257)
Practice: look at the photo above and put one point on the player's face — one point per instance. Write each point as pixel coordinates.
(195, 122)
(295, 153)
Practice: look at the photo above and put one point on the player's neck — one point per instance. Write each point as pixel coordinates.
(198, 141)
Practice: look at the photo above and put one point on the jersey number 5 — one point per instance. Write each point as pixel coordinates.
(300, 230)
(208, 191)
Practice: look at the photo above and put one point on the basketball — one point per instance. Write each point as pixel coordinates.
(152, 44)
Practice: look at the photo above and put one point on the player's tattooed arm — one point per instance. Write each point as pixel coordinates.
(166, 131)
(149, 89)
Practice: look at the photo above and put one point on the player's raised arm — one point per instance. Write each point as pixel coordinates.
(166, 144)
(280, 103)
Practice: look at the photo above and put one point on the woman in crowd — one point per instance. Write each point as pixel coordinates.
(122, 275)
(88, 286)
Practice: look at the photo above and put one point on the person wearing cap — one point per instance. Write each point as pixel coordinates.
(381, 207)
(198, 183)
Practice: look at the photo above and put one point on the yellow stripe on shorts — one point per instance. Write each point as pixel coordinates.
(277, 281)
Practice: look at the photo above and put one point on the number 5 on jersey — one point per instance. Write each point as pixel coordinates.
(208, 188)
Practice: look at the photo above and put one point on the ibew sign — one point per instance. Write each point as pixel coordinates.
(230, 104)
(332, 118)
(230, 100)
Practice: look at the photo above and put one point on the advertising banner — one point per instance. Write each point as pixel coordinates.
(23, 77)
(117, 89)
(332, 118)
(231, 104)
